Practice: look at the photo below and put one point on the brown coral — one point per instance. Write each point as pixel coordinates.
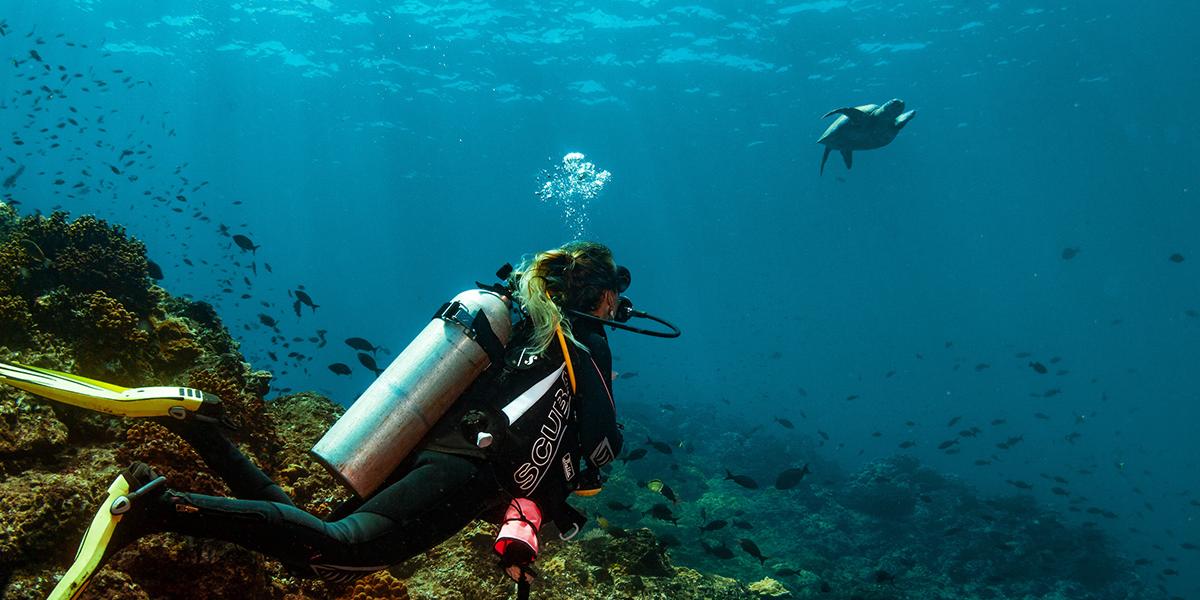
(16, 322)
(84, 255)
(151, 443)
(378, 585)
(176, 344)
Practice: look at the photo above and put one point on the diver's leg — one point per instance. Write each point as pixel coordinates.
(221, 455)
(440, 495)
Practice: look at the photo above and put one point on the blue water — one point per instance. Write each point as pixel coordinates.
(387, 156)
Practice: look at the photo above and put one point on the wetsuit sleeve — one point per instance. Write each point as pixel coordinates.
(599, 437)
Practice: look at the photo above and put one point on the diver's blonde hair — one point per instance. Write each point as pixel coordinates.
(574, 276)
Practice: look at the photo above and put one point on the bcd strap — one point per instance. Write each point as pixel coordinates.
(477, 327)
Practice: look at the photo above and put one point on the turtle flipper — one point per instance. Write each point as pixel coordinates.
(824, 158)
(855, 115)
(848, 157)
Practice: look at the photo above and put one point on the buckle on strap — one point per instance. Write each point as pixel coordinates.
(456, 312)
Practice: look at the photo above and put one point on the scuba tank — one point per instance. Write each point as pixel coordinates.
(388, 420)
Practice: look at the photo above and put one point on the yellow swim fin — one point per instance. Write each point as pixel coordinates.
(91, 554)
(158, 401)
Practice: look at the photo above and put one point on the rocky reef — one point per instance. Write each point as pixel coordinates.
(76, 296)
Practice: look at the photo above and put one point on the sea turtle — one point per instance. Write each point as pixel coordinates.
(863, 128)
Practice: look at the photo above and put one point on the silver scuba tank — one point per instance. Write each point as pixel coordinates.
(382, 427)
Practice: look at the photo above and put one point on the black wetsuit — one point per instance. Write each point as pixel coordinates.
(440, 489)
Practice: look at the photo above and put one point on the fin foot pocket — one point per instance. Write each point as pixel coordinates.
(111, 528)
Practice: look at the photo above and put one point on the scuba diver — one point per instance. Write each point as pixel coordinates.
(500, 409)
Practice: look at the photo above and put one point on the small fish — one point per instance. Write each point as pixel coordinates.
(305, 299)
(824, 436)
(741, 480)
(714, 525)
(906, 444)
(786, 572)
(720, 551)
(881, 576)
(361, 345)
(1069, 253)
(635, 455)
(663, 513)
(1020, 485)
(268, 321)
(946, 444)
(1039, 367)
(339, 369)
(613, 504)
(998, 421)
(740, 524)
(368, 361)
(629, 374)
(1176, 258)
(660, 446)
(791, 478)
(953, 422)
(244, 243)
(670, 407)
(785, 423)
(752, 549)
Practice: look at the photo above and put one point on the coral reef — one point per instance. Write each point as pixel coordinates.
(75, 296)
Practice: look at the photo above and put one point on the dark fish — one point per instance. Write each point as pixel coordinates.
(268, 321)
(669, 540)
(635, 455)
(907, 444)
(670, 407)
(361, 345)
(824, 436)
(339, 369)
(1176, 258)
(785, 423)
(881, 576)
(714, 525)
(1039, 367)
(1020, 485)
(947, 444)
(998, 421)
(367, 361)
(11, 180)
(786, 572)
(296, 307)
(982, 366)
(740, 524)
(305, 299)
(244, 243)
(613, 504)
(720, 551)
(660, 446)
(953, 422)
(752, 549)
(791, 478)
(154, 270)
(1069, 253)
(663, 513)
(628, 375)
(741, 480)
